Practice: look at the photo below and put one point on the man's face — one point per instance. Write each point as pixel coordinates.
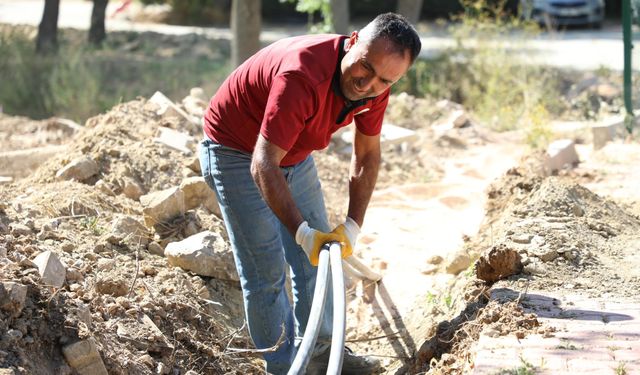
(370, 68)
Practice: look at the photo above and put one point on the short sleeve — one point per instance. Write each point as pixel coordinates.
(292, 100)
(370, 122)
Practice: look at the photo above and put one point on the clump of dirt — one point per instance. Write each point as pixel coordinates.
(498, 263)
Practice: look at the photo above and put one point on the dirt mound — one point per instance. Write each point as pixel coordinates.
(144, 316)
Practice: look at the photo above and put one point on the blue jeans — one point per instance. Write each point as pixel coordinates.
(261, 246)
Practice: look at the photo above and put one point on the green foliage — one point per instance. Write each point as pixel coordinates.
(312, 7)
(92, 224)
(525, 368)
(484, 72)
(79, 82)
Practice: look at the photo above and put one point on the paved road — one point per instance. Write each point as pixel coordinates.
(579, 49)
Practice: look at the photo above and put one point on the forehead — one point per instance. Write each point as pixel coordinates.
(389, 61)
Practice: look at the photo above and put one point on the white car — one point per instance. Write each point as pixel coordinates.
(564, 12)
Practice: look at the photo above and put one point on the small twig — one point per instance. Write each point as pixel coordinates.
(69, 217)
(271, 349)
(135, 277)
(522, 294)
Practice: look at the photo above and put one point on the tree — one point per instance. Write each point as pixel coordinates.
(97, 31)
(410, 9)
(340, 16)
(245, 26)
(47, 40)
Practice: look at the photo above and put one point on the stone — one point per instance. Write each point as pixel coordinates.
(176, 140)
(19, 230)
(205, 254)
(132, 190)
(166, 108)
(194, 165)
(498, 263)
(79, 169)
(74, 275)
(608, 91)
(115, 286)
(197, 192)
(194, 106)
(544, 253)
(7, 371)
(198, 93)
(607, 131)
(52, 270)
(12, 297)
(3, 252)
(523, 239)
(561, 153)
(155, 248)
(106, 264)
(129, 228)
(458, 262)
(162, 206)
(84, 357)
(435, 259)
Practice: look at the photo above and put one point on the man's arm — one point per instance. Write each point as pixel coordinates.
(363, 174)
(265, 169)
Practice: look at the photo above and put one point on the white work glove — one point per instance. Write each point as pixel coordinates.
(312, 241)
(348, 232)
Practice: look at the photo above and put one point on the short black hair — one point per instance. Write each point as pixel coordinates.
(396, 29)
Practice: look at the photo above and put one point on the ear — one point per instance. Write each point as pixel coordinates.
(353, 38)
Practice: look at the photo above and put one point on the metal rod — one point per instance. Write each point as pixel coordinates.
(628, 46)
(339, 311)
(308, 343)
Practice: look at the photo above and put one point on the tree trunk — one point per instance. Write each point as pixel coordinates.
(410, 9)
(245, 27)
(340, 16)
(97, 31)
(47, 40)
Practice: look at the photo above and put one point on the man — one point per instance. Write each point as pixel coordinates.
(261, 127)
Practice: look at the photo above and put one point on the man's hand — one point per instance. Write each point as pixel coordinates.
(348, 232)
(312, 241)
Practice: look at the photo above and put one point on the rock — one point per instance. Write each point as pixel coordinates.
(499, 263)
(52, 270)
(458, 262)
(19, 230)
(103, 187)
(198, 93)
(155, 248)
(535, 268)
(194, 165)
(607, 131)
(7, 371)
(166, 108)
(205, 254)
(12, 297)
(561, 153)
(105, 264)
(115, 286)
(74, 275)
(197, 192)
(84, 357)
(524, 238)
(131, 230)
(435, 259)
(194, 106)
(132, 190)
(162, 206)
(3, 252)
(13, 335)
(176, 140)
(429, 269)
(545, 253)
(78, 169)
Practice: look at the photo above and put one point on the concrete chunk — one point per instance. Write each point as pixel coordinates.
(606, 131)
(12, 297)
(561, 153)
(176, 140)
(161, 206)
(84, 357)
(78, 169)
(205, 254)
(52, 271)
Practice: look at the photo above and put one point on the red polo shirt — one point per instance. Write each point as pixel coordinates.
(285, 93)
